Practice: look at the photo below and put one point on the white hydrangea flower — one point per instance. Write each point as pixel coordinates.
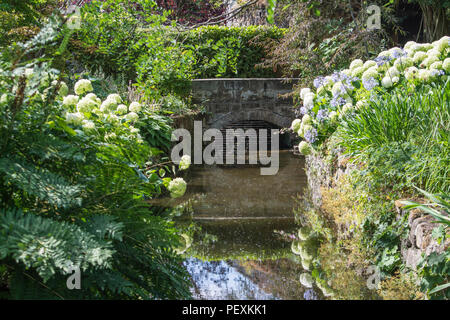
(70, 100)
(132, 116)
(433, 53)
(4, 98)
(112, 118)
(134, 130)
(419, 57)
(409, 45)
(429, 61)
(74, 118)
(91, 96)
(305, 127)
(424, 75)
(403, 63)
(83, 86)
(177, 187)
(185, 162)
(306, 119)
(135, 107)
(370, 73)
(122, 109)
(387, 82)
(308, 100)
(306, 280)
(295, 126)
(395, 50)
(304, 148)
(358, 71)
(303, 92)
(369, 64)
(338, 89)
(385, 53)
(393, 72)
(63, 88)
(442, 44)
(437, 65)
(395, 79)
(114, 97)
(347, 72)
(411, 73)
(29, 72)
(418, 47)
(86, 105)
(328, 81)
(357, 63)
(108, 105)
(88, 126)
(446, 65)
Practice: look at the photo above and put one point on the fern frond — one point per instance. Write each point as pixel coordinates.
(41, 183)
(48, 246)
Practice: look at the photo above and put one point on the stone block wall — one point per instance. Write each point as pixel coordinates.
(230, 100)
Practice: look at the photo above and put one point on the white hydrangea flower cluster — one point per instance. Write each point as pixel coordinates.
(185, 162)
(85, 109)
(347, 91)
(177, 187)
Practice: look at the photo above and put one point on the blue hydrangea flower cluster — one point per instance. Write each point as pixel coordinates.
(382, 60)
(369, 84)
(311, 135)
(322, 115)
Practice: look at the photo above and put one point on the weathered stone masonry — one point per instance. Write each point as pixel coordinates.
(231, 100)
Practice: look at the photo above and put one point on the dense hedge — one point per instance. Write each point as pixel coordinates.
(230, 52)
(217, 52)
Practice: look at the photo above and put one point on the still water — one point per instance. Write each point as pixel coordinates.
(233, 250)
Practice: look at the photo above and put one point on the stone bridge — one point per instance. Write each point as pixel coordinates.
(230, 101)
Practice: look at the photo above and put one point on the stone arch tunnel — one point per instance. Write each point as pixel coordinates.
(246, 103)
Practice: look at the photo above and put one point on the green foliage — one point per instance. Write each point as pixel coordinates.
(161, 55)
(73, 195)
(230, 52)
(324, 36)
(403, 136)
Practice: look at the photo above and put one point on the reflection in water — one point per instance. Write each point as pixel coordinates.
(242, 191)
(238, 210)
(218, 280)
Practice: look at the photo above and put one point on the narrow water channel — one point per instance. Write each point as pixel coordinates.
(235, 251)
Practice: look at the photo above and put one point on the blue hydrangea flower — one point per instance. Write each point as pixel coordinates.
(311, 135)
(303, 110)
(318, 82)
(382, 60)
(399, 54)
(336, 76)
(369, 84)
(338, 101)
(322, 115)
(436, 73)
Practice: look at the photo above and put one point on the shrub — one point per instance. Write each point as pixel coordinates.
(231, 52)
(72, 189)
